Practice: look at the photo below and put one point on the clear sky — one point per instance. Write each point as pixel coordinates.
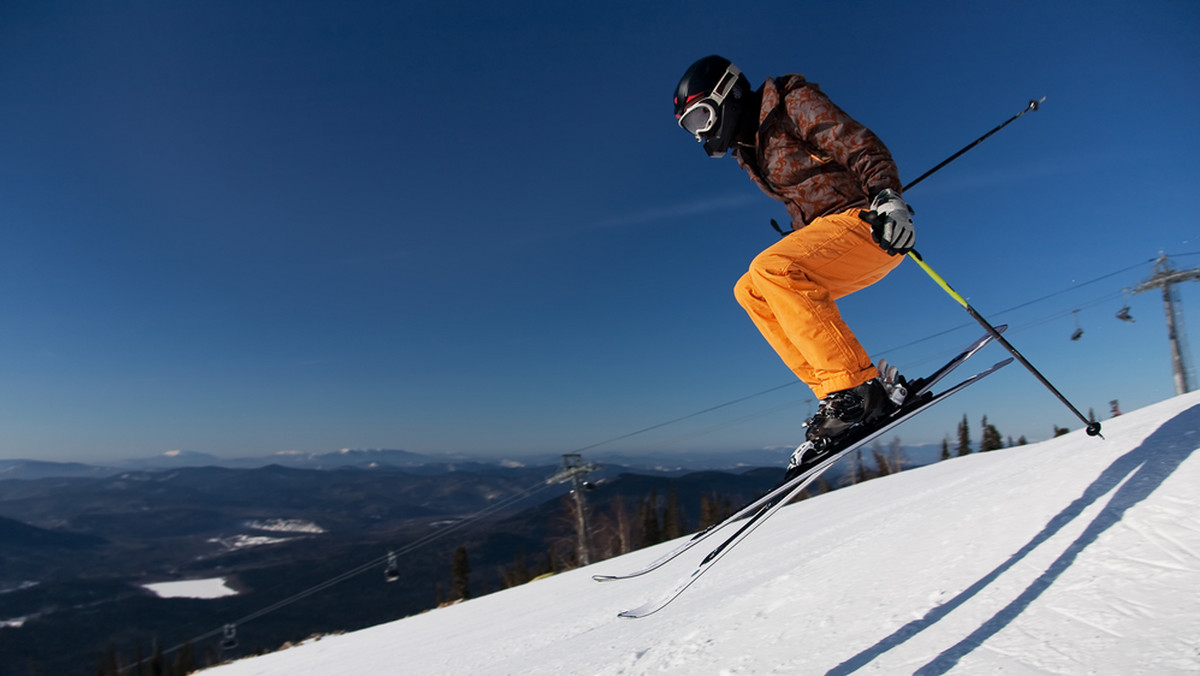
(249, 227)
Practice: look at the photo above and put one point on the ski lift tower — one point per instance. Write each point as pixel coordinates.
(1165, 278)
(573, 470)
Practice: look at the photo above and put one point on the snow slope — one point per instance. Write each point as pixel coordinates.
(1072, 556)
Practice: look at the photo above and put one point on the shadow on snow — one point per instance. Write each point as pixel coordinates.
(1138, 474)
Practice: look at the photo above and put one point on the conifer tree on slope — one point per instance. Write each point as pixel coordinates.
(964, 437)
(460, 575)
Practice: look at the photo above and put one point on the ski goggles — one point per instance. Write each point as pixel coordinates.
(700, 117)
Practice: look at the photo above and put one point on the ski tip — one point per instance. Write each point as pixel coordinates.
(636, 613)
(604, 578)
(647, 608)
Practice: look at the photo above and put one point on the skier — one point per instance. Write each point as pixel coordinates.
(827, 169)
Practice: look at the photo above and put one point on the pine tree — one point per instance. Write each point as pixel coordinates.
(624, 526)
(855, 473)
(106, 663)
(945, 448)
(964, 437)
(158, 663)
(990, 438)
(185, 661)
(517, 573)
(651, 530)
(211, 659)
(896, 456)
(882, 466)
(821, 486)
(714, 508)
(708, 511)
(724, 506)
(673, 518)
(460, 574)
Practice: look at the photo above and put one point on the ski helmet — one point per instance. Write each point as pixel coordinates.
(708, 102)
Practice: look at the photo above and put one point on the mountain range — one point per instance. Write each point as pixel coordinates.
(670, 463)
(83, 553)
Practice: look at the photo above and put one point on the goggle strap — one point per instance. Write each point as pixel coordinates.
(713, 101)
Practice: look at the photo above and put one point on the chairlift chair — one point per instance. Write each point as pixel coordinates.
(391, 573)
(229, 638)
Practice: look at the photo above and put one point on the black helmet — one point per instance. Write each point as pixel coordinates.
(708, 102)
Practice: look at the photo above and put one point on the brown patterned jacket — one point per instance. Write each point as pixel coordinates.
(811, 155)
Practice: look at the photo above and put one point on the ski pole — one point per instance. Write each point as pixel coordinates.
(1093, 428)
(1033, 105)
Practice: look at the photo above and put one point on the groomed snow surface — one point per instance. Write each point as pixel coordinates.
(1072, 556)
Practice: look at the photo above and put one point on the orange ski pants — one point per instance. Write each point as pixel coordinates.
(790, 293)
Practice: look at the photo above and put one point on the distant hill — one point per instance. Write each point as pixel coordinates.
(40, 469)
(14, 534)
(273, 531)
(673, 463)
(216, 501)
(348, 457)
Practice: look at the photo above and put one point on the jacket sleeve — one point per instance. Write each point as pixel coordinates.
(843, 140)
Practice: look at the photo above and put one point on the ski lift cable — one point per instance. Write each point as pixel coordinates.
(375, 563)
(882, 353)
(1058, 315)
(1019, 306)
(1076, 286)
(685, 417)
(416, 544)
(729, 423)
(420, 542)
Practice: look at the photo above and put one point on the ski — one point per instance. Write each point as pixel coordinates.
(789, 491)
(918, 388)
(923, 385)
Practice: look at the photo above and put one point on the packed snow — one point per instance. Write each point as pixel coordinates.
(243, 541)
(1071, 556)
(286, 526)
(211, 588)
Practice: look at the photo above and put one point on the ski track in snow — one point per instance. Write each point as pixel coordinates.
(1072, 556)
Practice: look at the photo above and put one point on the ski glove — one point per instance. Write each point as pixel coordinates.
(891, 222)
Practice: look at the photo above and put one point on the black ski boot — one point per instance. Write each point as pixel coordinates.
(836, 415)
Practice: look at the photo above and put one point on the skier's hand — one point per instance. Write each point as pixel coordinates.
(891, 223)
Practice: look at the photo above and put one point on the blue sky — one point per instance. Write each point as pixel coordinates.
(249, 227)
